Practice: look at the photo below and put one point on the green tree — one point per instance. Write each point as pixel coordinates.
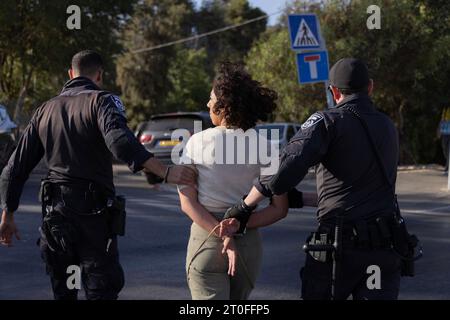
(406, 59)
(272, 62)
(143, 76)
(36, 46)
(232, 44)
(179, 77)
(191, 83)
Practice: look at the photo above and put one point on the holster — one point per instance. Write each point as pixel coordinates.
(117, 214)
(405, 244)
(389, 232)
(59, 232)
(56, 230)
(45, 193)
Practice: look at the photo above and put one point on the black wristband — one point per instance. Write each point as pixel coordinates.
(167, 174)
(245, 206)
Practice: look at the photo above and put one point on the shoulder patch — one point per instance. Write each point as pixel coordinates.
(119, 105)
(312, 120)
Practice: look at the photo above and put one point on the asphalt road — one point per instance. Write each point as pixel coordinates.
(153, 251)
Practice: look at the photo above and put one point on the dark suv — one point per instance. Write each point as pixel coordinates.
(156, 134)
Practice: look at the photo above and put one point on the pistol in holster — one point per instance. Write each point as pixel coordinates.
(390, 232)
(45, 193)
(56, 230)
(117, 214)
(406, 246)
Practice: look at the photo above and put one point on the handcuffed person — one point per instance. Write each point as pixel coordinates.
(215, 273)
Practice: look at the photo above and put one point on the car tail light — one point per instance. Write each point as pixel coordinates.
(145, 138)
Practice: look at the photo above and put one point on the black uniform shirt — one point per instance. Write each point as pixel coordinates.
(78, 132)
(347, 173)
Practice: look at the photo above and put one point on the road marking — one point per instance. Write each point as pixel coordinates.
(440, 208)
(154, 203)
(426, 212)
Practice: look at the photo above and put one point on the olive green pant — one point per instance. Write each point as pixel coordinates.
(207, 267)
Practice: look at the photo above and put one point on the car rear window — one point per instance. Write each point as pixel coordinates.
(269, 132)
(173, 123)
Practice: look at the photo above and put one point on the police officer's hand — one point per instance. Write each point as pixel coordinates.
(8, 229)
(181, 174)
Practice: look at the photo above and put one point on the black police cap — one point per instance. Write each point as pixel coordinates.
(349, 73)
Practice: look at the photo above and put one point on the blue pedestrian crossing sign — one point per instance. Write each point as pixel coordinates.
(304, 30)
(312, 67)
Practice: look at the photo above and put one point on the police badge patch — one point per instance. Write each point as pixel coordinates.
(312, 120)
(118, 103)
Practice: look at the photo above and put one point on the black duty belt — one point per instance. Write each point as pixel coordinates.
(365, 234)
(84, 199)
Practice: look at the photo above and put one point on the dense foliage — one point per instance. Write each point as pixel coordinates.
(408, 57)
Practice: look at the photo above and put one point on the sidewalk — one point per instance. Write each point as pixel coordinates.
(423, 192)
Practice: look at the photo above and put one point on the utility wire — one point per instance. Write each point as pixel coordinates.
(168, 44)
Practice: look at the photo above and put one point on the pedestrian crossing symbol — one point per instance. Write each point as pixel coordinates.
(304, 36)
(304, 31)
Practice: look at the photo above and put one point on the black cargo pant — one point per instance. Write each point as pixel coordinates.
(352, 275)
(92, 248)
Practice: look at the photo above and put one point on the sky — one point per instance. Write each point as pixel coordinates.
(268, 6)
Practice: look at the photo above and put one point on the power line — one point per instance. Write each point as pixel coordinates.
(168, 44)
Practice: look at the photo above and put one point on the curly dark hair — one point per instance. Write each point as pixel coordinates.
(242, 100)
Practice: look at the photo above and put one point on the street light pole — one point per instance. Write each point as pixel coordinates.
(447, 165)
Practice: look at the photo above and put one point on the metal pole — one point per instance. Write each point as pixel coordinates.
(328, 95)
(448, 169)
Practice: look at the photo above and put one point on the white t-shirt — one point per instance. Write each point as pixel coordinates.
(222, 178)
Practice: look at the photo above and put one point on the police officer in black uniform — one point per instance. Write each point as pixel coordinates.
(78, 132)
(350, 185)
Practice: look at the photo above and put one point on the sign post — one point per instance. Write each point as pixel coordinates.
(330, 101)
(444, 130)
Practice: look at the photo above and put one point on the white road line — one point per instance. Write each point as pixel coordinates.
(426, 212)
(440, 208)
(154, 203)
